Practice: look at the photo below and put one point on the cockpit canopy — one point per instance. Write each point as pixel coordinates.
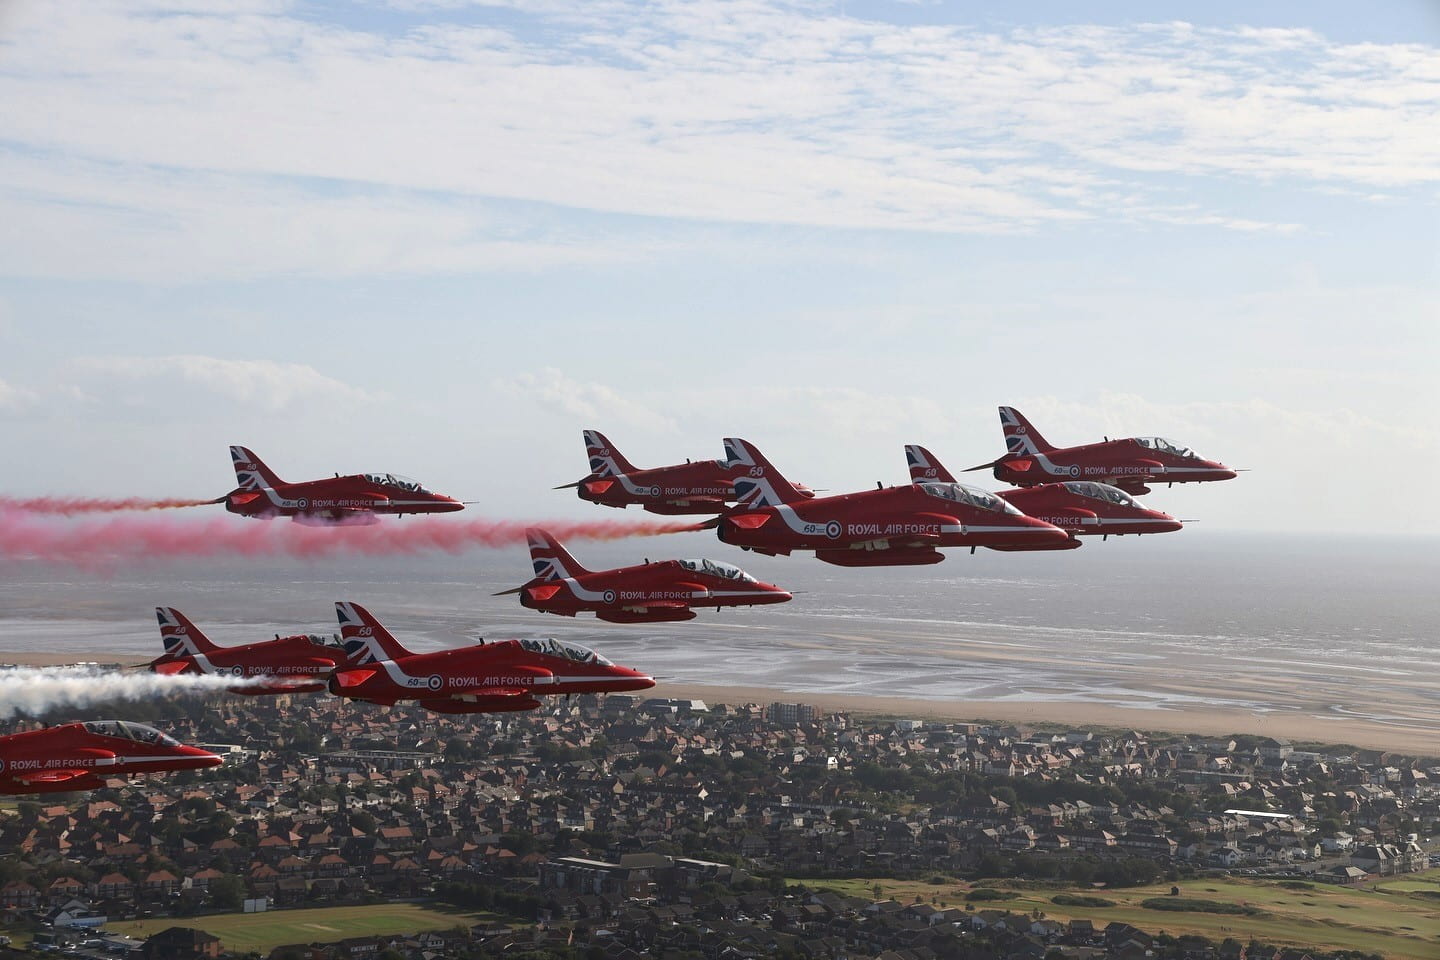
(1162, 445)
(550, 647)
(129, 730)
(718, 568)
(971, 496)
(396, 481)
(1101, 491)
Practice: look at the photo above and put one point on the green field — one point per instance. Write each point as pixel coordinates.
(263, 932)
(1395, 921)
(1427, 882)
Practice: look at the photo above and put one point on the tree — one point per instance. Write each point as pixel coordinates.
(227, 892)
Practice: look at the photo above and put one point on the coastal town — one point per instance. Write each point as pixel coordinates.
(622, 827)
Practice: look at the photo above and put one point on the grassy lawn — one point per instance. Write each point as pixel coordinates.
(1396, 922)
(263, 932)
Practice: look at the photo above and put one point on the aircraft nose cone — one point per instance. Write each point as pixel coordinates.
(203, 758)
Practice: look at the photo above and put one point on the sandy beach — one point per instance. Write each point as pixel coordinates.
(1409, 739)
(1408, 736)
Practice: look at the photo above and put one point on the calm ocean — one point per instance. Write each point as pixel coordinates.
(1226, 618)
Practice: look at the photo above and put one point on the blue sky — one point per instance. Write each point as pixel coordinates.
(442, 237)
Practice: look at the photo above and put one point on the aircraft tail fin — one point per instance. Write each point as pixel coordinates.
(364, 638)
(761, 485)
(605, 460)
(549, 557)
(924, 466)
(179, 635)
(251, 472)
(1020, 436)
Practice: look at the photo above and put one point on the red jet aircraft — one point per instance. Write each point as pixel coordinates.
(1077, 506)
(298, 664)
(1128, 464)
(892, 526)
(359, 498)
(651, 593)
(704, 486)
(80, 756)
(486, 678)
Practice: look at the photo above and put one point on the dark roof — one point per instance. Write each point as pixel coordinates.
(182, 936)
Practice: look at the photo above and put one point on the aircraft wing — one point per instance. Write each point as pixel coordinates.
(52, 776)
(649, 605)
(914, 539)
(898, 540)
(493, 691)
(273, 685)
(708, 502)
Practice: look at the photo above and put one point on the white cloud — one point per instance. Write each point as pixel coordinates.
(596, 404)
(263, 384)
(325, 147)
(173, 227)
(14, 399)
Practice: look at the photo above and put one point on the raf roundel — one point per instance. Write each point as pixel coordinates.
(238, 670)
(303, 503)
(609, 596)
(1074, 469)
(435, 682)
(832, 529)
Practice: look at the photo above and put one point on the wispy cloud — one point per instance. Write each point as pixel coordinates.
(586, 401)
(335, 147)
(14, 399)
(265, 384)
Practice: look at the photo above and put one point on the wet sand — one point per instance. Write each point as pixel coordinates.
(1417, 739)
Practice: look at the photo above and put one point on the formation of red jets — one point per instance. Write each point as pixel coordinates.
(1058, 495)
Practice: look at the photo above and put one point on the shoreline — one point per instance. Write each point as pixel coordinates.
(1418, 740)
(1413, 737)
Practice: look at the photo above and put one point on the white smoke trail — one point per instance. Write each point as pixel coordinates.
(34, 690)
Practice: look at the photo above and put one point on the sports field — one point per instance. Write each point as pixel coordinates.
(1397, 920)
(262, 932)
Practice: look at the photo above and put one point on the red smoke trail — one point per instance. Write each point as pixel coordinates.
(73, 506)
(104, 543)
